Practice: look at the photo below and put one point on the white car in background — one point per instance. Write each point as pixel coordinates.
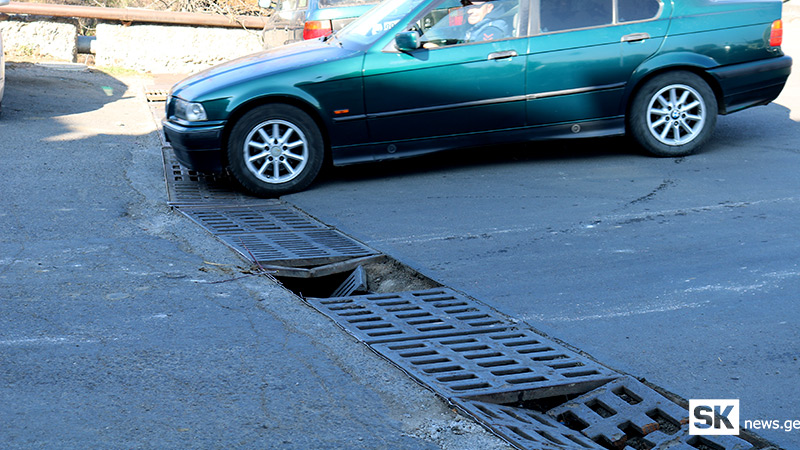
(2, 65)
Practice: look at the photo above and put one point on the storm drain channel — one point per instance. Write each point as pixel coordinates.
(526, 388)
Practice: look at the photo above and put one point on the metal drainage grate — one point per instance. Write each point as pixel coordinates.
(188, 187)
(459, 347)
(525, 428)
(156, 94)
(409, 315)
(627, 414)
(297, 248)
(513, 365)
(270, 216)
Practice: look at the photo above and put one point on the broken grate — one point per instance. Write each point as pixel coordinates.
(502, 366)
(270, 216)
(401, 316)
(628, 414)
(525, 428)
(658, 440)
(299, 248)
(353, 284)
(188, 187)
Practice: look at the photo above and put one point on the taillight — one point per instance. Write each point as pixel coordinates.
(776, 34)
(317, 28)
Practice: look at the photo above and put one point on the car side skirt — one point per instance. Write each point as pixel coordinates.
(346, 155)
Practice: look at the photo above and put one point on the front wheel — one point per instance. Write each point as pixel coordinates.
(673, 114)
(275, 150)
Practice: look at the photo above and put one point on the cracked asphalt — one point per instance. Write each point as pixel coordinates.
(125, 325)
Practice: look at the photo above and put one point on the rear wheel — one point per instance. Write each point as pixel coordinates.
(673, 114)
(275, 150)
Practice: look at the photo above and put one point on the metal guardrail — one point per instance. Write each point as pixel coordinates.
(129, 15)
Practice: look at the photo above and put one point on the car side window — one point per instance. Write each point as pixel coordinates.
(635, 10)
(558, 15)
(452, 22)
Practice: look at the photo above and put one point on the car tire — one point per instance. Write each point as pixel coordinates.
(673, 114)
(275, 150)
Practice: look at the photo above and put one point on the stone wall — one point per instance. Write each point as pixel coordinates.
(142, 47)
(172, 49)
(39, 38)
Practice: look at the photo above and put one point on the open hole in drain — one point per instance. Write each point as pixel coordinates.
(545, 404)
(666, 424)
(380, 275)
(702, 443)
(626, 395)
(572, 421)
(634, 438)
(600, 408)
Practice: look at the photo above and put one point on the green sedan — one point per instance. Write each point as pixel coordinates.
(417, 76)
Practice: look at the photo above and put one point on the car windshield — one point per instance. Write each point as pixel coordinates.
(371, 26)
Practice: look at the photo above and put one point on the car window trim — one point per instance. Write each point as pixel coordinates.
(535, 17)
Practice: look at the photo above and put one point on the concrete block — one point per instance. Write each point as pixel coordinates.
(40, 39)
(172, 49)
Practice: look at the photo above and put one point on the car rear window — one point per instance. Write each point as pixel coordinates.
(633, 10)
(340, 3)
(558, 15)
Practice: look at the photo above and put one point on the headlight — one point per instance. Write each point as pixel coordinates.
(190, 111)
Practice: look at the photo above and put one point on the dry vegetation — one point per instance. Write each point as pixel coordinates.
(226, 7)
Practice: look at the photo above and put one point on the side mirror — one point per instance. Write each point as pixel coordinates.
(405, 41)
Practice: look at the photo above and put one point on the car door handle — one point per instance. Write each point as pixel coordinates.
(635, 37)
(502, 55)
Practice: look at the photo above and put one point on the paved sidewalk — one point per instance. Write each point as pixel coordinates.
(124, 325)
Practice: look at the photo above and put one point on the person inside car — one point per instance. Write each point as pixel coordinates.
(475, 21)
(487, 20)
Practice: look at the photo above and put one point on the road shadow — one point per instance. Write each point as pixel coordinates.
(490, 156)
(63, 85)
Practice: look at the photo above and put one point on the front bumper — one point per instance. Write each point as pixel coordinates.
(197, 148)
(752, 83)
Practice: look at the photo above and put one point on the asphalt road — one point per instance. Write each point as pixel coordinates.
(123, 325)
(683, 271)
(120, 325)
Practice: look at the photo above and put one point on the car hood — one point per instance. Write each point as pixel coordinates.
(211, 83)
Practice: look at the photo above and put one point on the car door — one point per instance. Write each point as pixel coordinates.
(452, 87)
(583, 54)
